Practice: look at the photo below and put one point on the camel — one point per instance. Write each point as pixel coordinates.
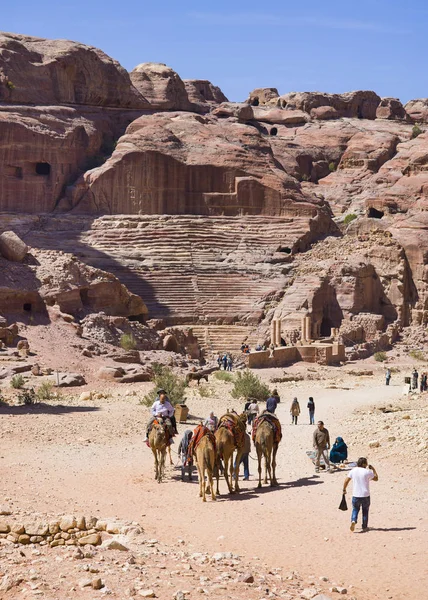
(266, 447)
(158, 443)
(205, 460)
(226, 446)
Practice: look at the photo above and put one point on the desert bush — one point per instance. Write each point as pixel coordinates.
(205, 391)
(248, 385)
(223, 376)
(332, 167)
(417, 354)
(305, 177)
(165, 378)
(416, 130)
(349, 218)
(128, 342)
(10, 84)
(27, 397)
(380, 356)
(46, 391)
(17, 381)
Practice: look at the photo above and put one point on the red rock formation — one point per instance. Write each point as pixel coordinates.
(391, 108)
(40, 71)
(417, 110)
(361, 104)
(186, 164)
(261, 96)
(161, 86)
(203, 94)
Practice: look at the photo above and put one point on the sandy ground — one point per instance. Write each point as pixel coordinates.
(89, 459)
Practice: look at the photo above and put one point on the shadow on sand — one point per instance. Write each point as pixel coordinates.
(42, 407)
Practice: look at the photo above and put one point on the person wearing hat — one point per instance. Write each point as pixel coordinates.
(162, 407)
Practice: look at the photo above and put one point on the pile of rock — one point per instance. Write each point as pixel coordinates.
(67, 531)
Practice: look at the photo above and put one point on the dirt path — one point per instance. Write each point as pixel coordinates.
(92, 461)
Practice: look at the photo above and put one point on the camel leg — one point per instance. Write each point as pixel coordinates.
(211, 483)
(169, 453)
(156, 463)
(162, 464)
(217, 475)
(239, 454)
(275, 450)
(268, 464)
(204, 499)
(259, 459)
(226, 471)
(200, 479)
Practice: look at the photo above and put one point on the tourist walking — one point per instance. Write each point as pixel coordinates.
(253, 411)
(245, 457)
(294, 411)
(225, 362)
(229, 363)
(311, 407)
(271, 404)
(415, 376)
(183, 450)
(424, 382)
(388, 376)
(321, 445)
(360, 476)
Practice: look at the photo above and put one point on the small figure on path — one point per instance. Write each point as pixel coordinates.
(253, 410)
(225, 362)
(360, 476)
(294, 411)
(271, 404)
(424, 382)
(183, 450)
(212, 422)
(311, 408)
(321, 445)
(388, 376)
(415, 376)
(339, 452)
(229, 363)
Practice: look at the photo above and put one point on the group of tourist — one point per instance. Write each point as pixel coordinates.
(361, 475)
(226, 361)
(414, 380)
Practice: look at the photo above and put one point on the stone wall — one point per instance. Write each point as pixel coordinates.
(323, 354)
(65, 531)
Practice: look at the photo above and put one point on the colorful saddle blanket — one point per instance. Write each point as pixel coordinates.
(273, 423)
(236, 425)
(200, 432)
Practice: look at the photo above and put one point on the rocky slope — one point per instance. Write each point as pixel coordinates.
(303, 166)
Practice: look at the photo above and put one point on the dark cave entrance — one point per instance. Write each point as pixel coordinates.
(43, 168)
(375, 214)
(326, 326)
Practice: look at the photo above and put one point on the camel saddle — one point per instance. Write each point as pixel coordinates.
(273, 423)
(200, 432)
(236, 426)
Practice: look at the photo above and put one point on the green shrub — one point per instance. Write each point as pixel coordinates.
(332, 167)
(27, 397)
(248, 385)
(349, 218)
(305, 177)
(223, 376)
(417, 354)
(380, 356)
(205, 391)
(165, 378)
(128, 342)
(10, 85)
(46, 391)
(17, 382)
(416, 130)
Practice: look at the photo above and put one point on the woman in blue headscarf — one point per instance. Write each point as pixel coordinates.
(339, 452)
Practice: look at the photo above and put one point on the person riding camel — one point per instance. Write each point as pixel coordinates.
(163, 408)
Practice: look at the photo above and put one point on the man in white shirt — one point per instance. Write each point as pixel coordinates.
(360, 476)
(162, 407)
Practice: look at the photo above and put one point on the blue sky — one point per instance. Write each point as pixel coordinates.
(294, 46)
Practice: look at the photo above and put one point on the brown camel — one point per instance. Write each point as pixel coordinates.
(226, 446)
(205, 460)
(158, 443)
(266, 447)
